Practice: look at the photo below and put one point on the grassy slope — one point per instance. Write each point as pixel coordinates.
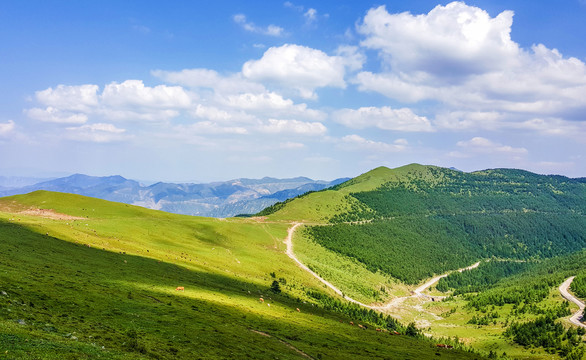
(64, 299)
(334, 266)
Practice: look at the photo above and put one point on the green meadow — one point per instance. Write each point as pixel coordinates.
(86, 278)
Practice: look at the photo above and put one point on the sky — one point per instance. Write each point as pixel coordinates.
(204, 91)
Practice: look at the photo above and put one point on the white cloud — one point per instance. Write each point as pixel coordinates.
(151, 115)
(274, 126)
(129, 100)
(211, 113)
(209, 127)
(291, 145)
(466, 120)
(466, 60)
(310, 15)
(205, 78)
(6, 128)
(299, 67)
(352, 142)
(51, 114)
(384, 118)
(271, 30)
(290, 5)
(71, 98)
(486, 146)
(272, 104)
(451, 41)
(133, 93)
(99, 133)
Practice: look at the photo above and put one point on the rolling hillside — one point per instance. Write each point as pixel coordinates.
(87, 278)
(379, 235)
(445, 219)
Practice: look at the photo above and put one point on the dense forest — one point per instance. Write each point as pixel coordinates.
(484, 276)
(579, 285)
(448, 219)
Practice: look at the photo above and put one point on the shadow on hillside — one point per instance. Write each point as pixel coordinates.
(128, 303)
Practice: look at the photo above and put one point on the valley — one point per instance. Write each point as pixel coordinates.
(474, 261)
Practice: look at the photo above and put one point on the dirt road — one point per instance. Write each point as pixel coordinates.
(417, 293)
(289, 243)
(564, 290)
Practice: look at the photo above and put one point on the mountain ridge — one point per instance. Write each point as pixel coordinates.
(216, 199)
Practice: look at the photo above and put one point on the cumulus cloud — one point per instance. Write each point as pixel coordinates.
(54, 115)
(270, 103)
(466, 120)
(357, 142)
(133, 93)
(450, 41)
(206, 78)
(129, 100)
(301, 68)
(486, 146)
(99, 133)
(384, 118)
(274, 126)
(6, 128)
(466, 60)
(271, 30)
(210, 127)
(71, 98)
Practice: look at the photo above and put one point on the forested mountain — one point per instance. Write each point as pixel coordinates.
(218, 199)
(416, 221)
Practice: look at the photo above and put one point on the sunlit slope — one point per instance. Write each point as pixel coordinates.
(86, 278)
(416, 221)
(323, 205)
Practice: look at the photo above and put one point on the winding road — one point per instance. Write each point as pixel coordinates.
(564, 290)
(417, 293)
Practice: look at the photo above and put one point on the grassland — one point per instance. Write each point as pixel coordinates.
(85, 278)
(418, 220)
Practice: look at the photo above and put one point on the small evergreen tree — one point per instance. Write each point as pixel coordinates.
(275, 287)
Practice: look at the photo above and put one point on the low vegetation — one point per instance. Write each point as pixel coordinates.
(84, 278)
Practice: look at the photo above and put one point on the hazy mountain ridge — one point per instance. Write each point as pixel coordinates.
(216, 199)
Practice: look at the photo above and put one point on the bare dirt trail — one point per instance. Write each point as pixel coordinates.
(417, 293)
(564, 290)
(289, 243)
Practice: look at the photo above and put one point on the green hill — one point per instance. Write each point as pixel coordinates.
(445, 219)
(86, 278)
(415, 221)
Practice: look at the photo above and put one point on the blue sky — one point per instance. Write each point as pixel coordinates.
(201, 91)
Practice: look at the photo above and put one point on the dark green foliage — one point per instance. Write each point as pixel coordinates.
(485, 275)
(484, 320)
(579, 285)
(357, 312)
(447, 219)
(547, 333)
(275, 287)
(391, 246)
(533, 286)
(411, 330)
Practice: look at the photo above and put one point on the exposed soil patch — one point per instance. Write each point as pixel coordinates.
(49, 214)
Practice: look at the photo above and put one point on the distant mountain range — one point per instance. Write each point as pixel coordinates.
(217, 199)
